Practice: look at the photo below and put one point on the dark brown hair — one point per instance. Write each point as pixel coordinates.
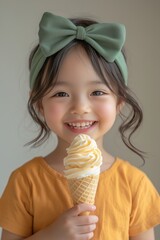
(46, 80)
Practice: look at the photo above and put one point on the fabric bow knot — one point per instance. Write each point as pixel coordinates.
(55, 32)
(81, 33)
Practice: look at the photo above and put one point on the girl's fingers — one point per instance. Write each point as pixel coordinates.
(85, 220)
(81, 226)
(86, 236)
(80, 208)
(85, 229)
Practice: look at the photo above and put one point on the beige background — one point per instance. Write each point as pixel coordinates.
(18, 34)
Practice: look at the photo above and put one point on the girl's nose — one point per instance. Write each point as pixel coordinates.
(80, 106)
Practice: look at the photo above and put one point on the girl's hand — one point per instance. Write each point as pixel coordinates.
(71, 226)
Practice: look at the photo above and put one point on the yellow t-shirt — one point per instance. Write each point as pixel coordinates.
(127, 203)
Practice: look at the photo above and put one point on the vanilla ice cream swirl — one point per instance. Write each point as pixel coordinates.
(83, 159)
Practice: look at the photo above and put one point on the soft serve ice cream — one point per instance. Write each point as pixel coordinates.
(83, 159)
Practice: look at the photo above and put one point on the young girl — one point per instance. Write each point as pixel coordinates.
(78, 84)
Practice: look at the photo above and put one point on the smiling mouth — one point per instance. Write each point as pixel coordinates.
(81, 125)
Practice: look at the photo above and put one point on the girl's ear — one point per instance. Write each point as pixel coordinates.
(120, 106)
(38, 105)
(40, 108)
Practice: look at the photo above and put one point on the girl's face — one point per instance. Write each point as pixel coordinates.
(80, 102)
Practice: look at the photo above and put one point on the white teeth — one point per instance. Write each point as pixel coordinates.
(81, 125)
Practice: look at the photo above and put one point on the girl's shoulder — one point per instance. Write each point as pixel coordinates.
(34, 169)
(124, 173)
(30, 166)
(124, 167)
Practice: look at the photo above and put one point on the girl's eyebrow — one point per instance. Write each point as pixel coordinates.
(65, 83)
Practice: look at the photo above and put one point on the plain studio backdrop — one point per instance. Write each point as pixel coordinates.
(18, 35)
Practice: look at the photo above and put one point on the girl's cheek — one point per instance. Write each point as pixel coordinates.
(106, 108)
(55, 109)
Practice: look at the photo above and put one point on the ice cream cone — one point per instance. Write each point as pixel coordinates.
(83, 190)
(82, 169)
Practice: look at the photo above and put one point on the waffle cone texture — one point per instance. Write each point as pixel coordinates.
(83, 190)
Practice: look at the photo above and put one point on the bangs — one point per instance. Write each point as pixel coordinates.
(47, 77)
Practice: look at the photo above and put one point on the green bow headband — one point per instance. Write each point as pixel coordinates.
(56, 32)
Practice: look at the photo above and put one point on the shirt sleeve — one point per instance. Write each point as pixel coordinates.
(16, 206)
(145, 212)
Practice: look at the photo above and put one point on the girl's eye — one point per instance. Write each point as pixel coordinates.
(61, 94)
(97, 93)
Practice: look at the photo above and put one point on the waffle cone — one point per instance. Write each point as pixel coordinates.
(83, 190)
